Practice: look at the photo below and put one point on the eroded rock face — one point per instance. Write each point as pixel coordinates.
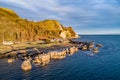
(45, 58)
(73, 49)
(60, 54)
(84, 47)
(65, 34)
(42, 59)
(52, 54)
(38, 59)
(26, 65)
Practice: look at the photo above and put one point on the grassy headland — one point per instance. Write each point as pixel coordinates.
(13, 28)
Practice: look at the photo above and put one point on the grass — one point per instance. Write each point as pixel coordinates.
(6, 48)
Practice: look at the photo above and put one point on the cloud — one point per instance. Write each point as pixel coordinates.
(81, 14)
(49, 5)
(20, 3)
(47, 8)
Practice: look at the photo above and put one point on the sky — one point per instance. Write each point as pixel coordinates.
(85, 16)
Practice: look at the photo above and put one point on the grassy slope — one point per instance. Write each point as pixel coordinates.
(17, 29)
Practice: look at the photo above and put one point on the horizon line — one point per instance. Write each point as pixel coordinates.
(98, 34)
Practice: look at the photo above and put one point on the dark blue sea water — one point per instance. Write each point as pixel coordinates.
(103, 66)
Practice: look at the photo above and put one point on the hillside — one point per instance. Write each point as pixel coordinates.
(14, 28)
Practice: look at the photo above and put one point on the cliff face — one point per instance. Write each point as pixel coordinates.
(14, 28)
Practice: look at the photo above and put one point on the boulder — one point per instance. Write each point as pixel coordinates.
(84, 47)
(10, 60)
(45, 58)
(99, 45)
(26, 65)
(95, 50)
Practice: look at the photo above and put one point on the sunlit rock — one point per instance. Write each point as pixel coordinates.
(38, 59)
(91, 44)
(95, 50)
(52, 54)
(65, 34)
(84, 47)
(73, 50)
(26, 65)
(45, 58)
(10, 60)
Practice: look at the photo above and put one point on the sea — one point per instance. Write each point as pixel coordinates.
(104, 65)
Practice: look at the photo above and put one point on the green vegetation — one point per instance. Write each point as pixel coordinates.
(4, 48)
(14, 28)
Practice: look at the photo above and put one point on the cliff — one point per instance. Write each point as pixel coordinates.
(14, 28)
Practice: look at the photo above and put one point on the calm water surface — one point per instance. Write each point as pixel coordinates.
(80, 66)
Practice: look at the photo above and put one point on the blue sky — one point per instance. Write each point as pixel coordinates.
(85, 16)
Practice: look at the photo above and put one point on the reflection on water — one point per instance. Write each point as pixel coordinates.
(79, 66)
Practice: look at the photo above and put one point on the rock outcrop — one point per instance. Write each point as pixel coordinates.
(65, 34)
(26, 65)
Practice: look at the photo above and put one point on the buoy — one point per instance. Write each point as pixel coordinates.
(26, 65)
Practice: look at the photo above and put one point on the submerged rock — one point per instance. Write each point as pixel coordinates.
(10, 60)
(95, 50)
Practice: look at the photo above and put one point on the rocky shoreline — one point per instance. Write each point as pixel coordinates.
(33, 50)
(43, 56)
